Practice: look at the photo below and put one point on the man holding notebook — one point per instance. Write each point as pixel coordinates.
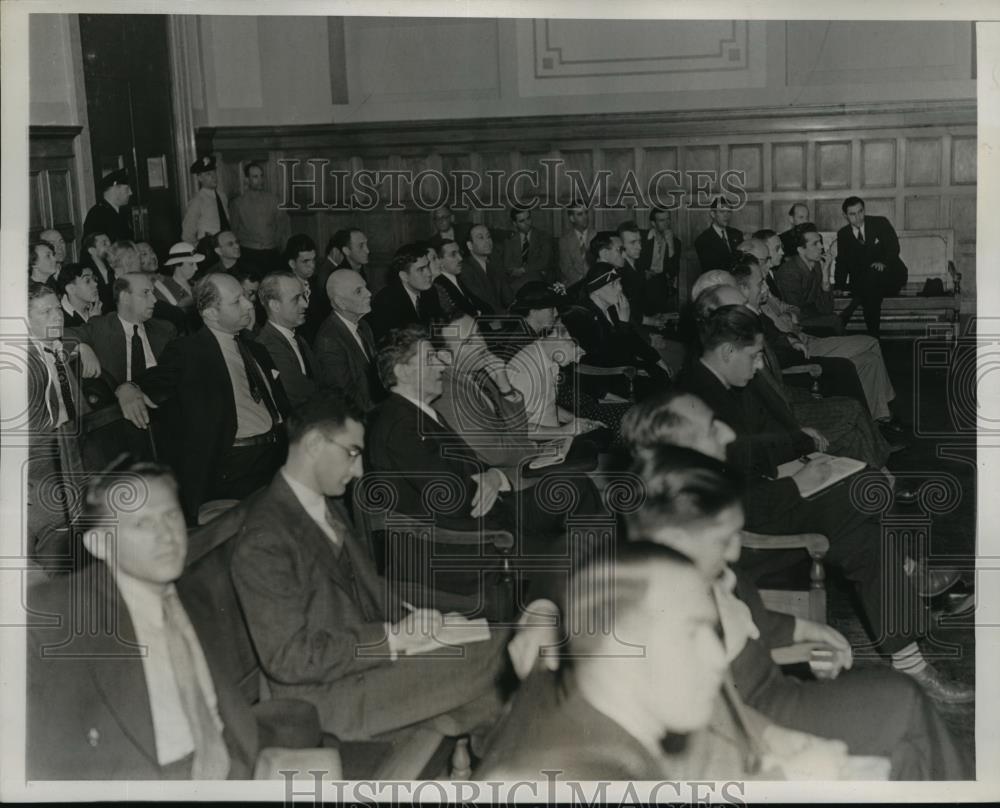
(325, 625)
(737, 424)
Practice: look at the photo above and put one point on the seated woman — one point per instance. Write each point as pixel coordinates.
(174, 294)
(148, 262)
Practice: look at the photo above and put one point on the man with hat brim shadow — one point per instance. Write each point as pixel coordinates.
(111, 215)
(208, 211)
(599, 322)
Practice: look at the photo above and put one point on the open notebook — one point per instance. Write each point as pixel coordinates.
(842, 467)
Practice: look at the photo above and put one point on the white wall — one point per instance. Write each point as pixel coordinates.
(277, 70)
(52, 71)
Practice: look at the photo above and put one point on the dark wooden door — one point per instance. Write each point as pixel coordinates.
(127, 75)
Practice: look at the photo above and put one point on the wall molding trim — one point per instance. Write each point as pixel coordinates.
(536, 131)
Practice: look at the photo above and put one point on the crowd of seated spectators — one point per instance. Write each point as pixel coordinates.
(379, 462)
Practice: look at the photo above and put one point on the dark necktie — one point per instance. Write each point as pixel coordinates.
(861, 235)
(223, 218)
(211, 758)
(301, 343)
(417, 308)
(258, 387)
(138, 360)
(64, 387)
(525, 245)
(725, 240)
(613, 315)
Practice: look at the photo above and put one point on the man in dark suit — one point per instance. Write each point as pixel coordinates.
(300, 258)
(452, 292)
(797, 214)
(876, 711)
(138, 695)
(129, 340)
(223, 401)
(283, 297)
(111, 214)
(868, 262)
(482, 274)
(573, 245)
(716, 245)
(660, 261)
(608, 719)
(804, 281)
(345, 347)
(738, 418)
(407, 298)
(95, 248)
(526, 255)
(325, 625)
(608, 338)
(446, 228)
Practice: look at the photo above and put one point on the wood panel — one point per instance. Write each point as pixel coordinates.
(53, 196)
(816, 156)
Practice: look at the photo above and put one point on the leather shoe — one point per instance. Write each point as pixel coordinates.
(934, 582)
(896, 446)
(892, 426)
(947, 691)
(958, 604)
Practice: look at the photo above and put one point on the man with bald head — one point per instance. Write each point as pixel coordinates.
(345, 346)
(797, 214)
(283, 298)
(223, 403)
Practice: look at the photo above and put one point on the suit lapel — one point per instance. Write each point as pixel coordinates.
(121, 681)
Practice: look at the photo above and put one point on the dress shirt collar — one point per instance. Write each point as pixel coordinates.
(351, 325)
(68, 308)
(313, 503)
(721, 231)
(224, 337)
(144, 599)
(479, 260)
(413, 297)
(287, 333)
(453, 278)
(426, 408)
(128, 326)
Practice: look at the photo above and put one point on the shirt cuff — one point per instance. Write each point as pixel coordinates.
(505, 481)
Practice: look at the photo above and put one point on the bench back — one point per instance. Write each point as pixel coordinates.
(926, 253)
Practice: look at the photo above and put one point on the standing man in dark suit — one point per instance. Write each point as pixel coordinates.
(223, 402)
(96, 247)
(660, 261)
(407, 299)
(325, 625)
(300, 258)
(138, 695)
(716, 245)
(111, 214)
(129, 340)
(282, 295)
(345, 347)
(868, 262)
(482, 274)
(526, 255)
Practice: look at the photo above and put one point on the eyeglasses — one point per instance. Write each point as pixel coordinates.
(352, 451)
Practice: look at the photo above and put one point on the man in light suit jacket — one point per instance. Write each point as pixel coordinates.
(283, 297)
(115, 336)
(324, 624)
(527, 254)
(139, 695)
(573, 246)
(344, 346)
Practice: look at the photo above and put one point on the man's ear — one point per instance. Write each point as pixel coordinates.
(727, 351)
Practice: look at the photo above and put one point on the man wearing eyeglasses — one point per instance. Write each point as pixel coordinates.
(804, 281)
(325, 625)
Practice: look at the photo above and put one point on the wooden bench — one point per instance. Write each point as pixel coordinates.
(927, 254)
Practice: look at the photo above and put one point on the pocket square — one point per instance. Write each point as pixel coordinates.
(274, 373)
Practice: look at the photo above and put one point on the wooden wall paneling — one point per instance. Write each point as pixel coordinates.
(923, 161)
(833, 165)
(749, 158)
(789, 166)
(921, 212)
(963, 160)
(878, 168)
(827, 215)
